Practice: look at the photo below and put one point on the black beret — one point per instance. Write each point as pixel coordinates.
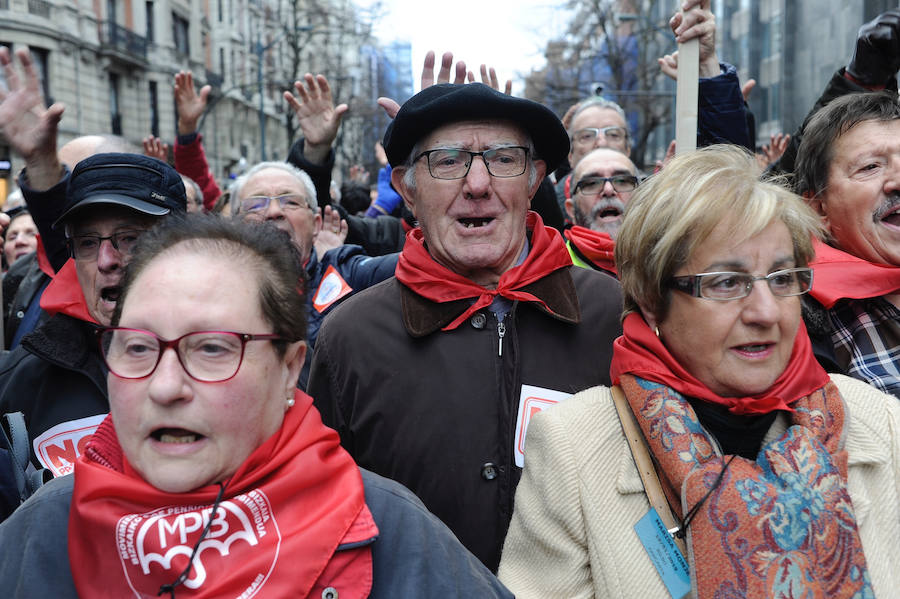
(139, 182)
(447, 103)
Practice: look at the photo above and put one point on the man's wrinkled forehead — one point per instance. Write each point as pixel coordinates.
(272, 181)
(487, 133)
(598, 117)
(603, 160)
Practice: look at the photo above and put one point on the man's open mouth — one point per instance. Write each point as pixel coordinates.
(472, 223)
(110, 294)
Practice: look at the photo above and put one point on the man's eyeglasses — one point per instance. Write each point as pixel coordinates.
(259, 204)
(87, 247)
(589, 134)
(452, 163)
(591, 186)
(724, 286)
(206, 356)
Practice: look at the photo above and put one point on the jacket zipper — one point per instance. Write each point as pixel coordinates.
(501, 331)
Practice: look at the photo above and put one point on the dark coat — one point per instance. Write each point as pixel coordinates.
(436, 410)
(55, 376)
(414, 554)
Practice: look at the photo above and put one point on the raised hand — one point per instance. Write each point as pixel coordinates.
(27, 125)
(189, 103)
(317, 116)
(155, 148)
(876, 57)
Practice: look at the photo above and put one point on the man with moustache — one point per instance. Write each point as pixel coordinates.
(602, 184)
(848, 169)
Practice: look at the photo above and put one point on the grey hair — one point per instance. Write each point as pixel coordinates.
(238, 185)
(600, 102)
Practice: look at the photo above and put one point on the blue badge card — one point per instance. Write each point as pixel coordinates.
(664, 554)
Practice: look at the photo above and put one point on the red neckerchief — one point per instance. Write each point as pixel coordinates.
(283, 513)
(64, 296)
(641, 353)
(782, 521)
(419, 272)
(840, 275)
(598, 248)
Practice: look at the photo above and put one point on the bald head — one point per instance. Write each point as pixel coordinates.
(87, 145)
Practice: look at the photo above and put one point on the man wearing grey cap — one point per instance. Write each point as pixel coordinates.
(431, 376)
(56, 376)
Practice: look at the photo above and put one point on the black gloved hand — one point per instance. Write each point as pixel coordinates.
(876, 58)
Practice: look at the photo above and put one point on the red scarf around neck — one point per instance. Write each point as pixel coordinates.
(840, 275)
(64, 296)
(283, 513)
(419, 272)
(641, 353)
(599, 248)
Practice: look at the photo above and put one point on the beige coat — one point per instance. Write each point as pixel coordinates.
(571, 533)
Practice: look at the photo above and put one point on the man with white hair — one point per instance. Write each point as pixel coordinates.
(283, 195)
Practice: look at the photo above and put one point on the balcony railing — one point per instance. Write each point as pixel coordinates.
(124, 41)
(40, 8)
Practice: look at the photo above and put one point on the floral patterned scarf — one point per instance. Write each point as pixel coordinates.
(781, 526)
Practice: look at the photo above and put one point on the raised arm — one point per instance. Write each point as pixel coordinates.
(722, 114)
(190, 158)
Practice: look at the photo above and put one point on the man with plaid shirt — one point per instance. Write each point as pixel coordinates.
(848, 169)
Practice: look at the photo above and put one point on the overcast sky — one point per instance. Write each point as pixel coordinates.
(508, 35)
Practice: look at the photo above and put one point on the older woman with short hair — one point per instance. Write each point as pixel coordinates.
(778, 476)
(214, 476)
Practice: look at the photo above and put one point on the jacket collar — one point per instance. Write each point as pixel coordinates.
(68, 343)
(422, 316)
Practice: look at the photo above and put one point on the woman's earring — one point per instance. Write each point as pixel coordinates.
(290, 402)
(656, 330)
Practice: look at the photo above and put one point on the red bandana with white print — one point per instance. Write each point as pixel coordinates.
(274, 532)
(418, 270)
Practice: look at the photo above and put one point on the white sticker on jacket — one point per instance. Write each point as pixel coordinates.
(531, 401)
(58, 448)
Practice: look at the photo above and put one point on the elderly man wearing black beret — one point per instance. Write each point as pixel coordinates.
(431, 376)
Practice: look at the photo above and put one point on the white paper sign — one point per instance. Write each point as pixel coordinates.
(531, 401)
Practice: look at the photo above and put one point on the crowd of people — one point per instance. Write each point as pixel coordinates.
(521, 366)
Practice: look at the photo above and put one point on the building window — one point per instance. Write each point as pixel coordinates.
(221, 10)
(151, 34)
(154, 109)
(116, 116)
(180, 31)
(41, 58)
(222, 62)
